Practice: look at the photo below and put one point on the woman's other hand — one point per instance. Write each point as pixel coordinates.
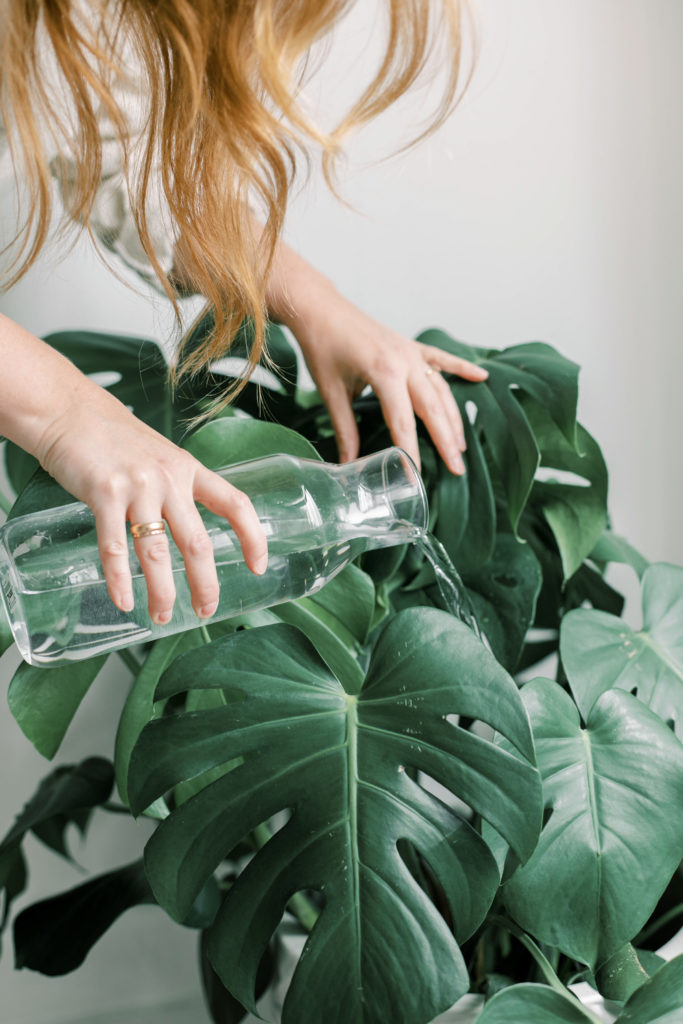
(346, 350)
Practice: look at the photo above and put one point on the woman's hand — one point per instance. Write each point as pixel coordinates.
(345, 350)
(124, 470)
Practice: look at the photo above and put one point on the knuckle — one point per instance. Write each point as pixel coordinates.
(240, 502)
(118, 578)
(111, 488)
(386, 369)
(111, 548)
(199, 544)
(156, 551)
(140, 477)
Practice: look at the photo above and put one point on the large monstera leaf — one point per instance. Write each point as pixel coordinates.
(600, 651)
(291, 738)
(613, 837)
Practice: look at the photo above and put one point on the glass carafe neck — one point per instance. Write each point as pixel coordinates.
(385, 499)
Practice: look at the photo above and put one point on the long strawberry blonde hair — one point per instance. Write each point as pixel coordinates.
(221, 81)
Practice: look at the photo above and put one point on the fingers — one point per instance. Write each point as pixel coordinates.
(112, 541)
(434, 403)
(338, 402)
(422, 390)
(154, 556)
(194, 543)
(225, 500)
(190, 536)
(399, 416)
(448, 363)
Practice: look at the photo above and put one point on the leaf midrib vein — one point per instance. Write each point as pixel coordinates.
(353, 784)
(592, 798)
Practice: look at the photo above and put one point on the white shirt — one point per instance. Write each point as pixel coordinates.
(111, 220)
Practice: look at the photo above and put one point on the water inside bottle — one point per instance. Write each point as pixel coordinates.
(66, 612)
(86, 622)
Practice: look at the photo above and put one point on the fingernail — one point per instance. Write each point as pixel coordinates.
(126, 603)
(456, 465)
(208, 610)
(481, 372)
(261, 564)
(161, 618)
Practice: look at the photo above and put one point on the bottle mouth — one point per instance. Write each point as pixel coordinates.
(412, 475)
(394, 490)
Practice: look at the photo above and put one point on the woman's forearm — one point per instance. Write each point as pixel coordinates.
(38, 386)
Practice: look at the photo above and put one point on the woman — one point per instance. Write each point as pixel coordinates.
(165, 123)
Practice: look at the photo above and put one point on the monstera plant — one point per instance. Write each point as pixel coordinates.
(428, 817)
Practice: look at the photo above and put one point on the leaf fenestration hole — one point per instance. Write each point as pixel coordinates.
(105, 378)
(439, 792)
(548, 474)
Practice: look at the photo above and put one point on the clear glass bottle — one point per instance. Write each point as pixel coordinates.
(317, 517)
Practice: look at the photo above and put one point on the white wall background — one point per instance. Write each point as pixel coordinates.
(549, 208)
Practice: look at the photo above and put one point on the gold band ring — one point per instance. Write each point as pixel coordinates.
(138, 530)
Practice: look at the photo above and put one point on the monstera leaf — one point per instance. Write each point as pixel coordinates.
(600, 651)
(55, 935)
(44, 703)
(343, 765)
(534, 370)
(225, 441)
(611, 842)
(658, 1001)
(65, 797)
(573, 502)
(534, 1004)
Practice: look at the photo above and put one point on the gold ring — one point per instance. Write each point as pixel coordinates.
(138, 530)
